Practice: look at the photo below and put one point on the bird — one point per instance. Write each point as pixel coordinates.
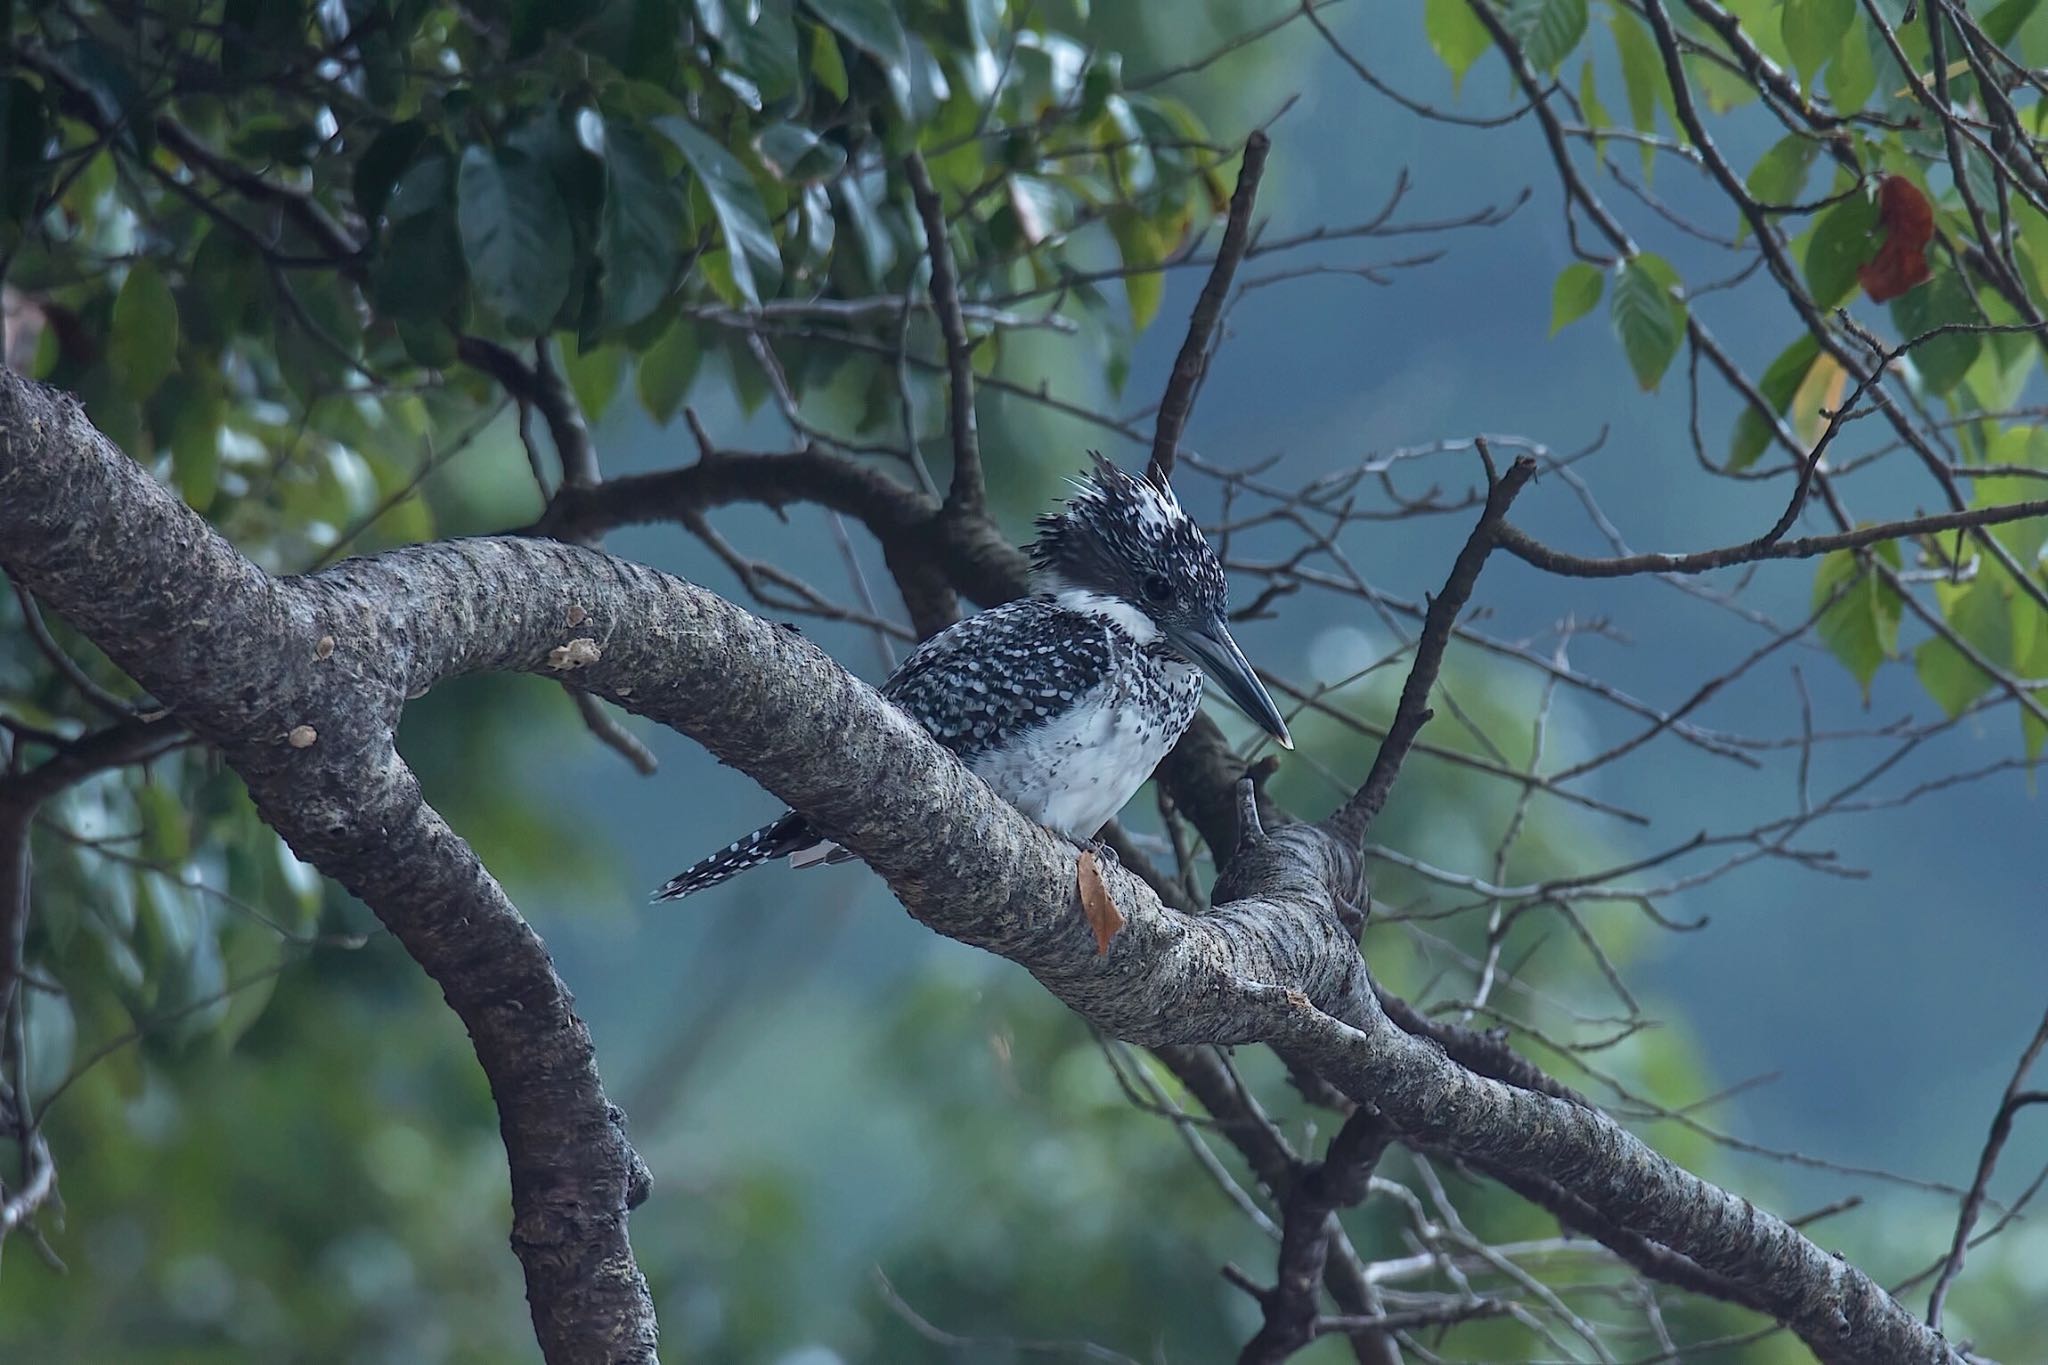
(1063, 701)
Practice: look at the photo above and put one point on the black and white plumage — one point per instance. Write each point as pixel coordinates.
(1065, 701)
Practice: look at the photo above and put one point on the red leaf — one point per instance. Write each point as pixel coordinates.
(1908, 220)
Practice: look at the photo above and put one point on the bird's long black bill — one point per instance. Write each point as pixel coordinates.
(1226, 665)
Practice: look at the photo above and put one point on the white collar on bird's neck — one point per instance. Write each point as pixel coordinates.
(1104, 607)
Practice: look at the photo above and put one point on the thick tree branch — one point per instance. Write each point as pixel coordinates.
(1193, 359)
(299, 682)
(1265, 1149)
(1292, 1306)
(1839, 1312)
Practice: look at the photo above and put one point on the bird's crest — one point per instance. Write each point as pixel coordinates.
(1116, 529)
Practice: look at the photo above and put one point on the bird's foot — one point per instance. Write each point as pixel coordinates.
(1103, 852)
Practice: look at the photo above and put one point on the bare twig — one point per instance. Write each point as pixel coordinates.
(2014, 1100)
(1355, 816)
(39, 631)
(966, 495)
(614, 736)
(1524, 547)
(1193, 359)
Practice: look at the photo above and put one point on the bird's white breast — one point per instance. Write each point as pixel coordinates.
(1075, 772)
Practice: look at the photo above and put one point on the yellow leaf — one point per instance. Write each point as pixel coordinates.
(1817, 395)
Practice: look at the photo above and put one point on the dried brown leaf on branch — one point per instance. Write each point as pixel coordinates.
(1097, 904)
(1908, 221)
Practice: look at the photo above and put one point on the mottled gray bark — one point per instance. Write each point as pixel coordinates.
(299, 682)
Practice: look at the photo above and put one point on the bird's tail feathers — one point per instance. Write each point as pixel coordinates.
(791, 834)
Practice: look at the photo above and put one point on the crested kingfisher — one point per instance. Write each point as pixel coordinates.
(1066, 700)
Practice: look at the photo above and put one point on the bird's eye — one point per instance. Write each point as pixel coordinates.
(1158, 588)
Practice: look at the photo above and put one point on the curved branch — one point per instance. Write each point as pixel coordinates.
(299, 684)
(299, 681)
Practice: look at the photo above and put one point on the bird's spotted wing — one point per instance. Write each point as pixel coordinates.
(993, 677)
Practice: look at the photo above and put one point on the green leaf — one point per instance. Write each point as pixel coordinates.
(667, 370)
(2033, 252)
(51, 1033)
(119, 102)
(1852, 76)
(1941, 361)
(426, 186)
(859, 200)
(1589, 99)
(195, 451)
(273, 138)
(24, 137)
(756, 260)
(1548, 30)
(1813, 31)
(1138, 239)
(431, 344)
(419, 275)
(594, 376)
(1577, 289)
(1780, 173)
(515, 235)
(1642, 70)
(1980, 613)
(1648, 316)
(1861, 627)
(226, 290)
(2026, 448)
(749, 382)
(262, 36)
(2034, 664)
(638, 242)
(636, 36)
(142, 345)
(794, 154)
(815, 233)
(319, 338)
(1456, 34)
(1780, 382)
(758, 41)
(382, 162)
(828, 67)
(874, 28)
(1841, 241)
(2002, 21)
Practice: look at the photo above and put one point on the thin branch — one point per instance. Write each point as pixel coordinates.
(39, 631)
(1355, 816)
(542, 387)
(2014, 1100)
(1525, 547)
(966, 495)
(606, 729)
(1193, 359)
